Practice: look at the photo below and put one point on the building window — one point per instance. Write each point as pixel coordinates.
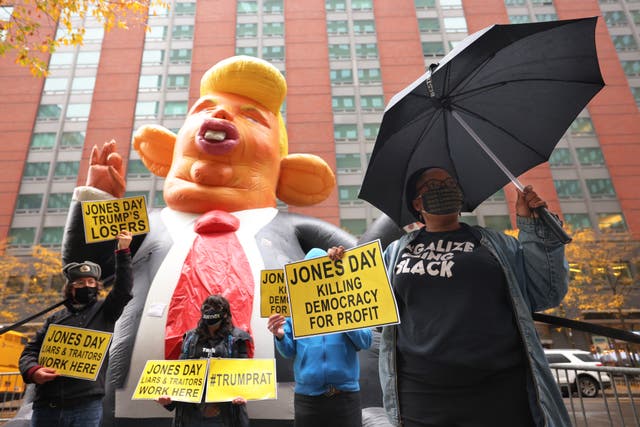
(65, 170)
(577, 220)
(246, 30)
(542, 2)
(361, 4)
(43, 141)
(247, 50)
(371, 131)
(432, 49)
(568, 188)
(348, 163)
(498, 196)
(60, 59)
(546, 17)
(78, 111)
(469, 219)
(53, 85)
(49, 112)
(338, 27)
(71, 140)
(185, 8)
(153, 57)
(635, 91)
(178, 81)
(612, 222)
(515, 2)
(175, 108)
(158, 200)
(631, 68)
(28, 203)
(341, 76)
(36, 170)
(348, 194)
(271, 29)
(22, 236)
(635, 14)
(519, 19)
(58, 202)
(273, 53)
(600, 188)
(182, 32)
(180, 56)
(498, 222)
(245, 7)
(146, 109)
(137, 169)
(451, 4)
(372, 102)
(456, 24)
(366, 50)
(424, 4)
(429, 25)
(343, 103)
(150, 82)
(86, 59)
(624, 43)
(94, 34)
(615, 18)
(356, 227)
(83, 84)
(590, 156)
(582, 126)
(339, 51)
(364, 26)
(345, 132)
(335, 5)
(51, 236)
(560, 157)
(272, 6)
(369, 75)
(156, 32)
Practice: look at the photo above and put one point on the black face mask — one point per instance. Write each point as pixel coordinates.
(85, 295)
(442, 197)
(212, 317)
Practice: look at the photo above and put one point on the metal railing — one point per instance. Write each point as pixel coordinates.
(599, 396)
(11, 392)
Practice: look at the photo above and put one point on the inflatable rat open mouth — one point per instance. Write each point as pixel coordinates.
(217, 136)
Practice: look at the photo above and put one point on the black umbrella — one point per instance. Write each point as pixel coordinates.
(495, 107)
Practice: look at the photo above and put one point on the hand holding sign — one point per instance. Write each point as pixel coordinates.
(124, 239)
(44, 375)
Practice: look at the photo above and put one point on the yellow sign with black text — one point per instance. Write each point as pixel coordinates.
(105, 219)
(253, 379)
(273, 293)
(181, 380)
(74, 352)
(351, 293)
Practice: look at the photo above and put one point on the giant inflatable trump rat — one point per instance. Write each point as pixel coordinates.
(230, 156)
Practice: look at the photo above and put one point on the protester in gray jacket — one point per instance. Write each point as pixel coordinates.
(466, 351)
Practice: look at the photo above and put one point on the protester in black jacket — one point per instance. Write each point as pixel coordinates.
(69, 401)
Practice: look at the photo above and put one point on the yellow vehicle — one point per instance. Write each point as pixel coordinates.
(11, 345)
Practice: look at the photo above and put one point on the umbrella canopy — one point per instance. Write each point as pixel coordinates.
(517, 87)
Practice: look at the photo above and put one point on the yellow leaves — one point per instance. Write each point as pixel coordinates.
(29, 31)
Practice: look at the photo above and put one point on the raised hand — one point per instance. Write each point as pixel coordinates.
(105, 170)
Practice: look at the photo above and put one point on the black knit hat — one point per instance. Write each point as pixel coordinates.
(77, 270)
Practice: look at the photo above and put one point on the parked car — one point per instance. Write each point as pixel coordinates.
(570, 379)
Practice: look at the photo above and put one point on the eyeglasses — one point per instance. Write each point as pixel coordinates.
(81, 283)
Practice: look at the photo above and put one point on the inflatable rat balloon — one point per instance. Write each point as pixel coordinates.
(229, 157)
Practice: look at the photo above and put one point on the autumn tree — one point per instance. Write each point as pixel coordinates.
(34, 28)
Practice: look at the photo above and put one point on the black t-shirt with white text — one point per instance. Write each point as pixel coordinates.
(457, 323)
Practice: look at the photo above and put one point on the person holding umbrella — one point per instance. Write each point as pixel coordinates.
(466, 351)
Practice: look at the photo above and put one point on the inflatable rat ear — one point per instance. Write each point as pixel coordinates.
(154, 144)
(305, 179)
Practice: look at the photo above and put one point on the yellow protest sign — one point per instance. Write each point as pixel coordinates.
(181, 380)
(351, 293)
(105, 219)
(253, 379)
(74, 352)
(273, 293)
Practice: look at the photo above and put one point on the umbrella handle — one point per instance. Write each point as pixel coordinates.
(554, 224)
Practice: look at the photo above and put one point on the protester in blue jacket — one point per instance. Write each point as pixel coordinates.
(326, 371)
